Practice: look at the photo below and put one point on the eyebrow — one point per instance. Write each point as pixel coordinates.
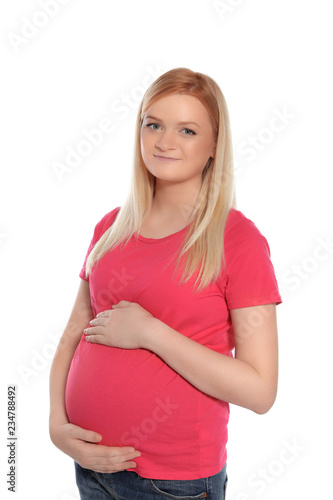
(179, 123)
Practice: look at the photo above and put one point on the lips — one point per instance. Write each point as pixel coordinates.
(164, 157)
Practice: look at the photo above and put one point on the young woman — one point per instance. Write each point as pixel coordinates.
(173, 282)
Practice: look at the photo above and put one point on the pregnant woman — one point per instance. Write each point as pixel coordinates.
(175, 315)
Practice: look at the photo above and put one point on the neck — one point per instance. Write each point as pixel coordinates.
(175, 201)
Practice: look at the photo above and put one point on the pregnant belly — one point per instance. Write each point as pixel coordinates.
(125, 395)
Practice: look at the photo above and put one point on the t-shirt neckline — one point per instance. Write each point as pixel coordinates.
(159, 240)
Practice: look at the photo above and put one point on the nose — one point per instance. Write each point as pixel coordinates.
(165, 140)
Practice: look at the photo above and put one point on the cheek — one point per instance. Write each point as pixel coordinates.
(198, 150)
(143, 147)
(142, 140)
(145, 141)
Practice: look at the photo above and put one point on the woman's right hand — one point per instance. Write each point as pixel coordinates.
(81, 445)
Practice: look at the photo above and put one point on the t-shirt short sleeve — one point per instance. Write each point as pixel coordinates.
(251, 278)
(100, 228)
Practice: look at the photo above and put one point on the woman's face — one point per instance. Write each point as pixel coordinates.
(177, 138)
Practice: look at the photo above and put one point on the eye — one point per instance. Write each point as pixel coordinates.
(152, 125)
(191, 132)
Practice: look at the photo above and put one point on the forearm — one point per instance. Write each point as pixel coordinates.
(80, 316)
(58, 378)
(215, 374)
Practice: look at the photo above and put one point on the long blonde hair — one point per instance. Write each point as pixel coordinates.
(204, 241)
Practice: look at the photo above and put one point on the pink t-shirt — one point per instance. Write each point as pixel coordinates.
(132, 397)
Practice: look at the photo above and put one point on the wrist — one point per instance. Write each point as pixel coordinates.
(151, 334)
(57, 419)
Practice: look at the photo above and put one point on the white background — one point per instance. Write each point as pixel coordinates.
(87, 60)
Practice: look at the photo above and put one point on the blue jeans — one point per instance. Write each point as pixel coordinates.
(127, 485)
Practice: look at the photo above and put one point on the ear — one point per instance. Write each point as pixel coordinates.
(213, 152)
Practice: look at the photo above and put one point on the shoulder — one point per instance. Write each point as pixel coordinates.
(240, 228)
(242, 237)
(249, 272)
(237, 221)
(105, 222)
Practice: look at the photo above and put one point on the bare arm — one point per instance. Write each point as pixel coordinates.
(76, 442)
(79, 318)
(248, 380)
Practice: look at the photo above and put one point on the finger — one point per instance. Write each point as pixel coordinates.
(86, 435)
(100, 455)
(124, 465)
(108, 459)
(104, 314)
(109, 469)
(94, 330)
(128, 452)
(99, 321)
(105, 464)
(121, 303)
(123, 453)
(95, 339)
(113, 466)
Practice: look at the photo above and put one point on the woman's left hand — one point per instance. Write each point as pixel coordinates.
(125, 326)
